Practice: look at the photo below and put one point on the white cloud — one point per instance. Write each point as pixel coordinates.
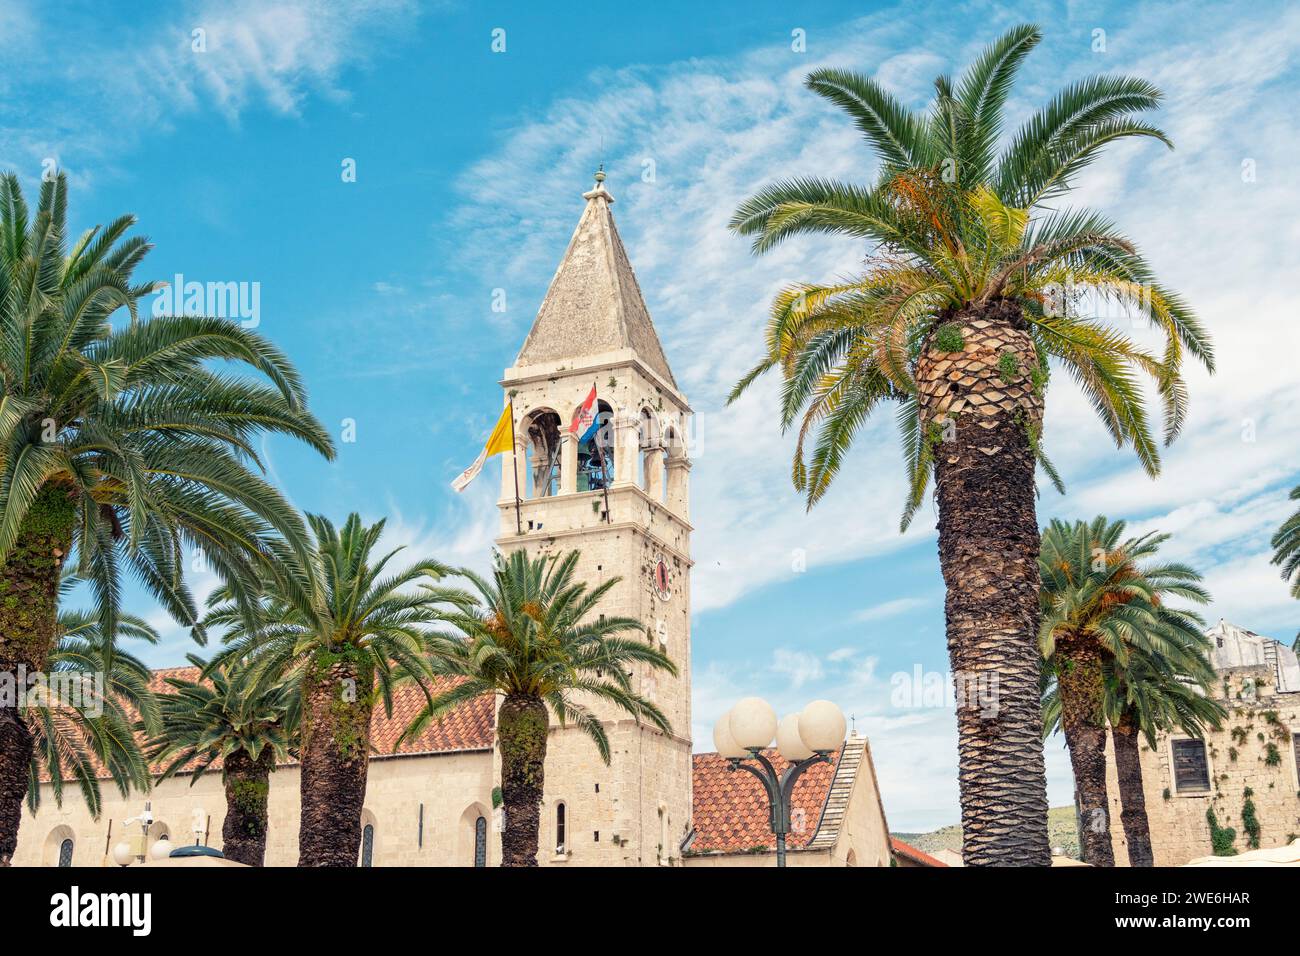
(889, 609)
(799, 667)
(255, 55)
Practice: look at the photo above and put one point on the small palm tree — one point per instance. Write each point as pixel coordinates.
(976, 281)
(1099, 602)
(119, 443)
(1286, 552)
(342, 629)
(528, 636)
(1151, 694)
(218, 718)
(81, 740)
(1148, 695)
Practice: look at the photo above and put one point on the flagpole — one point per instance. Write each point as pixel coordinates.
(514, 457)
(608, 518)
(603, 462)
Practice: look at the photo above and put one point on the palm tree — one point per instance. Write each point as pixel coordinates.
(527, 635)
(974, 283)
(1150, 694)
(342, 630)
(217, 718)
(118, 442)
(1153, 694)
(1101, 597)
(82, 740)
(1286, 552)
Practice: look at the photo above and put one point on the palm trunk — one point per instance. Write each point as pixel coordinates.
(247, 782)
(337, 706)
(980, 413)
(29, 609)
(522, 726)
(1079, 676)
(1128, 764)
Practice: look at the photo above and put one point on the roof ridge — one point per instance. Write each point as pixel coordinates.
(838, 793)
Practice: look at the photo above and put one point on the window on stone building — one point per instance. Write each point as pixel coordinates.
(480, 841)
(65, 853)
(1295, 747)
(1191, 769)
(561, 827)
(368, 845)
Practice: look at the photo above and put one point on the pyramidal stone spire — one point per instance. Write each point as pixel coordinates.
(594, 304)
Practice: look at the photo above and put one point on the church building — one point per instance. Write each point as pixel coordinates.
(619, 493)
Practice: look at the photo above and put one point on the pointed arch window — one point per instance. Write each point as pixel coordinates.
(65, 853)
(368, 845)
(480, 842)
(561, 827)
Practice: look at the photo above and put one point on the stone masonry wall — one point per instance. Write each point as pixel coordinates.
(1253, 751)
(455, 788)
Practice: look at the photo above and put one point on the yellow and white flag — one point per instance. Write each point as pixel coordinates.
(501, 439)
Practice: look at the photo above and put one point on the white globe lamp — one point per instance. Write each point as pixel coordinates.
(788, 741)
(122, 854)
(822, 726)
(753, 723)
(161, 850)
(722, 739)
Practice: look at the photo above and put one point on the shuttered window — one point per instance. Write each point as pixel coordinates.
(1191, 770)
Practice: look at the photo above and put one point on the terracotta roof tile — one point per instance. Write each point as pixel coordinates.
(471, 726)
(730, 811)
(909, 852)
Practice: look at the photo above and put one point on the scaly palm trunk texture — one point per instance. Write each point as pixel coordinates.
(1081, 682)
(522, 727)
(1128, 764)
(337, 706)
(29, 609)
(979, 415)
(247, 782)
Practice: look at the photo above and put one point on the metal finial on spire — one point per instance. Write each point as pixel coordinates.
(599, 190)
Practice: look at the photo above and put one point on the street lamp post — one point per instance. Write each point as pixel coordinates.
(804, 739)
(123, 852)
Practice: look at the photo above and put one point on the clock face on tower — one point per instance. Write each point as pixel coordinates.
(662, 587)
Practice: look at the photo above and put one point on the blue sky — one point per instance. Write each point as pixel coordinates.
(470, 165)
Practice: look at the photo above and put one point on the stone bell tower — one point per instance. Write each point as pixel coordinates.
(620, 498)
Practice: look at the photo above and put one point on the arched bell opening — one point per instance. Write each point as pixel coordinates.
(651, 458)
(596, 451)
(541, 432)
(675, 470)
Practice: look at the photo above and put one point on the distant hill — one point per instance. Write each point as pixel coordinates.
(1060, 829)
